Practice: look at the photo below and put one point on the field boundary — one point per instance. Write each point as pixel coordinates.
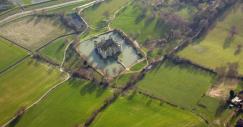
(14, 64)
(147, 94)
(22, 47)
(51, 41)
(37, 101)
(179, 60)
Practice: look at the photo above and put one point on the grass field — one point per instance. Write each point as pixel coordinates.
(32, 32)
(208, 107)
(214, 50)
(122, 80)
(9, 54)
(143, 26)
(55, 51)
(137, 110)
(96, 16)
(127, 21)
(23, 84)
(178, 84)
(68, 106)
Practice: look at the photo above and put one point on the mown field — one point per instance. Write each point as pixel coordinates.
(98, 15)
(68, 106)
(32, 32)
(23, 84)
(9, 54)
(215, 50)
(137, 110)
(55, 50)
(177, 84)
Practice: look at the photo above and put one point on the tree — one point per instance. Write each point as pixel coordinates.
(231, 94)
(239, 123)
(238, 49)
(106, 14)
(232, 33)
(232, 70)
(221, 72)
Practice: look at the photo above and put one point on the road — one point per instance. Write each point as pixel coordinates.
(49, 8)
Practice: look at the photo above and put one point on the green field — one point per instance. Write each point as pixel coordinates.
(122, 80)
(9, 54)
(127, 21)
(177, 84)
(95, 15)
(68, 106)
(55, 51)
(139, 111)
(23, 84)
(214, 50)
(143, 26)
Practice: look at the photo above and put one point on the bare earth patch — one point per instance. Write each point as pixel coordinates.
(33, 32)
(221, 90)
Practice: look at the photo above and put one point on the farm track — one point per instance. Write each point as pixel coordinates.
(29, 12)
(40, 99)
(184, 43)
(123, 90)
(19, 15)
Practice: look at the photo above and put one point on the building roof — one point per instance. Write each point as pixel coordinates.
(108, 48)
(106, 44)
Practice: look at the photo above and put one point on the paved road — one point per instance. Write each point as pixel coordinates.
(49, 8)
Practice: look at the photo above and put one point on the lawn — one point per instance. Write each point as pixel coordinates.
(32, 32)
(97, 14)
(23, 84)
(178, 84)
(139, 66)
(55, 51)
(137, 110)
(213, 50)
(68, 106)
(9, 53)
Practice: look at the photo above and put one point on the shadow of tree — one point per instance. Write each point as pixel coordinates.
(227, 42)
(139, 18)
(15, 121)
(222, 107)
(88, 88)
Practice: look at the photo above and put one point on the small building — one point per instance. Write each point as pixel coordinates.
(237, 101)
(108, 48)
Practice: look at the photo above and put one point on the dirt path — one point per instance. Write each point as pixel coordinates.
(40, 99)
